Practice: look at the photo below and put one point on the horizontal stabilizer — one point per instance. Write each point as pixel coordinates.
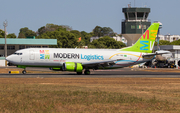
(157, 53)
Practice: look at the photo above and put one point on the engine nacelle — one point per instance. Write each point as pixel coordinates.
(72, 66)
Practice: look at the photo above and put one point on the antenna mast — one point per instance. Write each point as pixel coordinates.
(5, 46)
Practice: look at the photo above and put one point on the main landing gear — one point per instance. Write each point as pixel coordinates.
(86, 72)
(79, 73)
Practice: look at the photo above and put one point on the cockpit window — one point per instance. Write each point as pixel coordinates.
(17, 53)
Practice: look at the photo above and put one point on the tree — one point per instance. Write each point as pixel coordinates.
(107, 42)
(65, 39)
(97, 31)
(81, 44)
(26, 32)
(2, 34)
(76, 32)
(98, 44)
(12, 35)
(41, 30)
(176, 42)
(48, 27)
(105, 31)
(21, 35)
(163, 42)
(52, 27)
(86, 37)
(68, 28)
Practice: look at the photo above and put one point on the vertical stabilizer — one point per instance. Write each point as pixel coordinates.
(145, 43)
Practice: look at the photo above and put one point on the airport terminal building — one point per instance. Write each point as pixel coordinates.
(14, 44)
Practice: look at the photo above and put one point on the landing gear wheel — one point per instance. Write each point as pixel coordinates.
(24, 71)
(87, 72)
(79, 73)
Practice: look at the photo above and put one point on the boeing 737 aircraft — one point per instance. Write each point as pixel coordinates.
(78, 60)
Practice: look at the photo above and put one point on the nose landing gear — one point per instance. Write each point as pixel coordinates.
(24, 71)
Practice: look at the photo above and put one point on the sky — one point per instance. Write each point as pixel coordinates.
(84, 15)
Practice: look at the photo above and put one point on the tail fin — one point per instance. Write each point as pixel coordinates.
(146, 42)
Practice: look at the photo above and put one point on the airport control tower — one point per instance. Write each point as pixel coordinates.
(135, 23)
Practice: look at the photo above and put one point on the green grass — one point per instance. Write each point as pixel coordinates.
(64, 98)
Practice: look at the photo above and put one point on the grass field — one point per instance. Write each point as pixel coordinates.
(89, 95)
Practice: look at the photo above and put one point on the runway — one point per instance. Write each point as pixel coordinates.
(118, 73)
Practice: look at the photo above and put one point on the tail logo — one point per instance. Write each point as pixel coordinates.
(146, 34)
(144, 40)
(145, 47)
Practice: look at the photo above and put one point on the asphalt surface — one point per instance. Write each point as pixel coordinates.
(118, 73)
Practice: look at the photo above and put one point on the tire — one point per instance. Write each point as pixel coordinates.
(24, 71)
(87, 72)
(79, 73)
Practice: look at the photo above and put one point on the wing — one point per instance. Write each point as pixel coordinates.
(102, 63)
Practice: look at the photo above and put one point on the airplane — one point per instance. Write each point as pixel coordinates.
(77, 60)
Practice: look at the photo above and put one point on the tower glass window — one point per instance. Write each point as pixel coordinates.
(140, 14)
(131, 15)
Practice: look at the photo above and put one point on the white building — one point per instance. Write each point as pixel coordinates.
(118, 38)
(94, 38)
(161, 37)
(169, 37)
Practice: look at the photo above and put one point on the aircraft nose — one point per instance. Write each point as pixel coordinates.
(9, 58)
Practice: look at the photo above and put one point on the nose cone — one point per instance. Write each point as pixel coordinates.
(9, 58)
(14, 59)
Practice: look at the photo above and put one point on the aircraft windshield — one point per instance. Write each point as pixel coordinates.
(17, 53)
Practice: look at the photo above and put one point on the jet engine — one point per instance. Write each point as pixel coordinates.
(72, 66)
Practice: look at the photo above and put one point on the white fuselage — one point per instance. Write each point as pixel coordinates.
(54, 57)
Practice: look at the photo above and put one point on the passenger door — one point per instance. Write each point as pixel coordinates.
(31, 55)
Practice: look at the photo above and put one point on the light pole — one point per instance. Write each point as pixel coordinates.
(5, 46)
